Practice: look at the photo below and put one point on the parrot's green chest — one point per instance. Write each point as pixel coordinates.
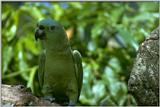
(59, 73)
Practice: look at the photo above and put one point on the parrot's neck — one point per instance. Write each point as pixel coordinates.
(59, 52)
(56, 47)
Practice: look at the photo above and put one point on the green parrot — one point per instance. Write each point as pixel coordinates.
(60, 72)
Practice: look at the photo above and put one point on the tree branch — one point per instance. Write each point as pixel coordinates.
(18, 95)
(144, 78)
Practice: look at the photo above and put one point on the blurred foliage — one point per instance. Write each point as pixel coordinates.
(107, 34)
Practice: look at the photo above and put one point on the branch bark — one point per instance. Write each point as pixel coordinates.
(144, 79)
(18, 95)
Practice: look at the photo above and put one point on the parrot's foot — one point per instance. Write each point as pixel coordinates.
(49, 98)
(71, 103)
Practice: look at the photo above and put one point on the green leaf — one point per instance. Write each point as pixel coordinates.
(6, 57)
(33, 71)
(128, 37)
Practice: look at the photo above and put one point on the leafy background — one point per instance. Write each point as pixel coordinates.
(107, 34)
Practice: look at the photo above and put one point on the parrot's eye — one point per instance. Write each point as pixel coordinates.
(41, 27)
(52, 27)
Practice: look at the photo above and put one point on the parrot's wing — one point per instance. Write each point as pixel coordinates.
(79, 69)
(41, 68)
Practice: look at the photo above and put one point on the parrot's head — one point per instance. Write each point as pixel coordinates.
(50, 31)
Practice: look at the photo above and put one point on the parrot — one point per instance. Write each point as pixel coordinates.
(60, 72)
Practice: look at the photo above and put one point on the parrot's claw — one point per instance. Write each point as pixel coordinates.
(49, 98)
(68, 104)
(71, 103)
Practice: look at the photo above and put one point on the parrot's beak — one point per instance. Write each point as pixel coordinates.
(39, 34)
